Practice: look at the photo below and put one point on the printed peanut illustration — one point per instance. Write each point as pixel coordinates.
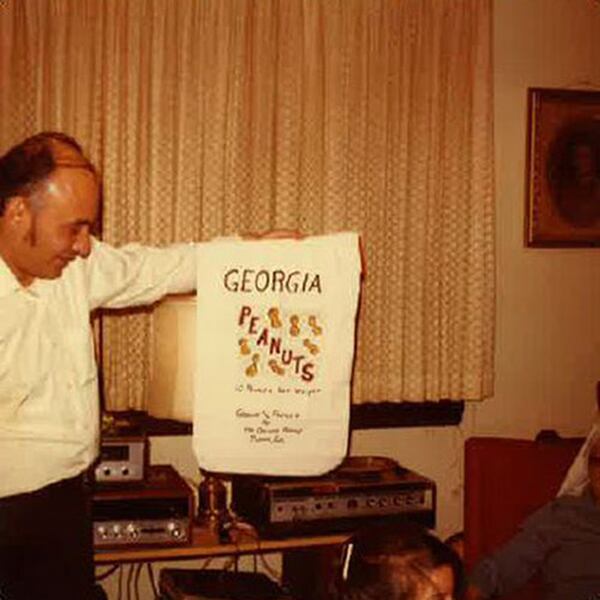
(276, 367)
(295, 325)
(252, 370)
(274, 317)
(316, 329)
(312, 348)
(244, 348)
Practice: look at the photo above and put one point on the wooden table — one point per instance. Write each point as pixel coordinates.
(307, 560)
(206, 545)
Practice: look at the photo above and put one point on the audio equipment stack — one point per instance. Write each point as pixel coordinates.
(135, 503)
(123, 459)
(158, 510)
(362, 488)
(124, 452)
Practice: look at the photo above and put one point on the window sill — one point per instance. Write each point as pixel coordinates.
(373, 415)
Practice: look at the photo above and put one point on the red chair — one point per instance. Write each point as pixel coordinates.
(505, 481)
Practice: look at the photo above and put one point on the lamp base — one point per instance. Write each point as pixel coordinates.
(212, 502)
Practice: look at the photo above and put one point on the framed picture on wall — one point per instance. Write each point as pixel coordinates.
(563, 168)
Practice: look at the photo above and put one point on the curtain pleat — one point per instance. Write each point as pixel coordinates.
(210, 117)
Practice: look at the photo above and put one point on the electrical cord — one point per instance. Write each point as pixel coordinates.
(237, 531)
(120, 583)
(138, 571)
(134, 573)
(152, 580)
(129, 580)
(107, 573)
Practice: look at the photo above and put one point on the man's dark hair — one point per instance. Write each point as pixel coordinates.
(29, 163)
(392, 560)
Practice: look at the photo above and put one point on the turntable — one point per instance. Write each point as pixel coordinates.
(361, 489)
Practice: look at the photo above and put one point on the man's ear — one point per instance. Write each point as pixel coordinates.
(17, 210)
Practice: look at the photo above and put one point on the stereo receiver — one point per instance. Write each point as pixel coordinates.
(361, 489)
(123, 459)
(159, 511)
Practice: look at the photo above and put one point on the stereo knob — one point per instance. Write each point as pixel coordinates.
(102, 532)
(125, 471)
(175, 530)
(132, 531)
(106, 471)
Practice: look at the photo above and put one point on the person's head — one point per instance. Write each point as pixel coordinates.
(594, 469)
(49, 195)
(402, 561)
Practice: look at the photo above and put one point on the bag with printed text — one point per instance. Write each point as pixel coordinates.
(275, 347)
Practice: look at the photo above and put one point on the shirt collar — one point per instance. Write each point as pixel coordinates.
(8, 282)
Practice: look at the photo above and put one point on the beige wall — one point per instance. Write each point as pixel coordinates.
(548, 322)
(548, 328)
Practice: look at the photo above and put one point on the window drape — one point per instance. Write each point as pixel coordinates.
(209, 117)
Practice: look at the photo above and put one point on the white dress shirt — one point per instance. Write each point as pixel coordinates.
(49, 407)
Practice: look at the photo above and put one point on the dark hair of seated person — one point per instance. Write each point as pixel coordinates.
(398, 561)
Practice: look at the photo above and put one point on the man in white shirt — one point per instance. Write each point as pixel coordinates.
(52, 274)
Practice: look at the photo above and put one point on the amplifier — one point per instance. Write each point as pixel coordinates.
(123, 459)
(158, 511)
(361, 489)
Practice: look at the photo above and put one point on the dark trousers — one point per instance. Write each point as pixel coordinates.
(46, 547)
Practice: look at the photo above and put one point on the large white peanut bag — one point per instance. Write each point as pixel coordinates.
(275, 348)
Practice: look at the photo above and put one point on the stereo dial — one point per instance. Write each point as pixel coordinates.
(175, 530)
(132, 531)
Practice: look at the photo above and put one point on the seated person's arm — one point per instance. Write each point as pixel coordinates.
(515, 562)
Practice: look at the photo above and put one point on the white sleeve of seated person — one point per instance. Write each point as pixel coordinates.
(577, 477)
(134, 274)
(518, 560)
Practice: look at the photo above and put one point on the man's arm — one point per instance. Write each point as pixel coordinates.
(515, 562)
(135, 275)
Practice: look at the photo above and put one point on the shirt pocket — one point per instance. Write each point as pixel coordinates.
(15, 388)
(79, 362)
(75, 380)
(14, 392)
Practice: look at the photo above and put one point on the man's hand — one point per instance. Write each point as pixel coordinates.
(275, 234)
(290, 234)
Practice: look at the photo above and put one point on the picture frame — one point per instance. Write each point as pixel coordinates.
(563, 168)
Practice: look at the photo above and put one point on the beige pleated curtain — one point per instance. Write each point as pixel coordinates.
(209, 117)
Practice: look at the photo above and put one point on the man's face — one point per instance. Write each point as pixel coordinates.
(594, 470)
(54, 224)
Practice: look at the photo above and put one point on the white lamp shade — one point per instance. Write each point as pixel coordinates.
(173, 359)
